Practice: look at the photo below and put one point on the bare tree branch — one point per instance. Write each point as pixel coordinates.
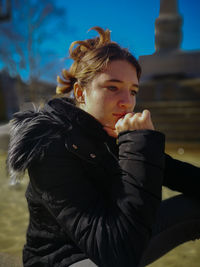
(25, 37)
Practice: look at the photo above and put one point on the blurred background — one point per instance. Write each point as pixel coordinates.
(34, 40)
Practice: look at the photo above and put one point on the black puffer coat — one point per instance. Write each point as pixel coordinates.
(87, 196)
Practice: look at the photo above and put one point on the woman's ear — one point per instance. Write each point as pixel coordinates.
(79, 93)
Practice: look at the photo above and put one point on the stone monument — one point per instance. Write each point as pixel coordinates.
(170, 81)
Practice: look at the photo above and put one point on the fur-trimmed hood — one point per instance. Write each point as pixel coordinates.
(33, 131)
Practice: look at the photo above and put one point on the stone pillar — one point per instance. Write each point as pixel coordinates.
(168, 33)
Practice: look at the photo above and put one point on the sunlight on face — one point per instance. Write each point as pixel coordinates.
(112, 93)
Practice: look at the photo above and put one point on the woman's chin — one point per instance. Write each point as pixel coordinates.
(110, 131)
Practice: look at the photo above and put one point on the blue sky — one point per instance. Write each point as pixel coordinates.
(131, 22)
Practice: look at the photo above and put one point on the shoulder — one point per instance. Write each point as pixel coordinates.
(31, 133)
(58, 128)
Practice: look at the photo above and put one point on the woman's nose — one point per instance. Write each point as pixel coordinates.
(127, 101)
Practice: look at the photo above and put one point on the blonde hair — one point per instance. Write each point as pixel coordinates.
(91, 57)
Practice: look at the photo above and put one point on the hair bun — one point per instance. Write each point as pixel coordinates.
(89, 44)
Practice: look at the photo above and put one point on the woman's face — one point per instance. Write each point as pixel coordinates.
(112, 93)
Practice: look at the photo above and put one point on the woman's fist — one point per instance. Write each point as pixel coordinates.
(135, 121)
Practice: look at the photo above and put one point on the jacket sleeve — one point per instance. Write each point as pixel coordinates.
(112, 231)
(181, 176)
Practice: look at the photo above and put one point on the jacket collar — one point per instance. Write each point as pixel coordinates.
(33, 131)
(65, 109)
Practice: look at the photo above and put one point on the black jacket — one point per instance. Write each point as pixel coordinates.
(89, 197)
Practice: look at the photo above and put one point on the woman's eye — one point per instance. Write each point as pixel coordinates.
(112, 88)
(133, 92)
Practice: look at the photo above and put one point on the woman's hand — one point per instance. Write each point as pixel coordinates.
(135, 121)
(131, 122)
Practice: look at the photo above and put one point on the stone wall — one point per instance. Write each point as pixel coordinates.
(174, 103)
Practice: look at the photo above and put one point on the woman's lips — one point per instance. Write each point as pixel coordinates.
(119, 115)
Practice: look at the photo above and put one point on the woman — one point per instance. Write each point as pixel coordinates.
(97, 168)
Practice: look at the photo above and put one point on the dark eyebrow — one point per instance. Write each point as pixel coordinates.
(119, 81)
